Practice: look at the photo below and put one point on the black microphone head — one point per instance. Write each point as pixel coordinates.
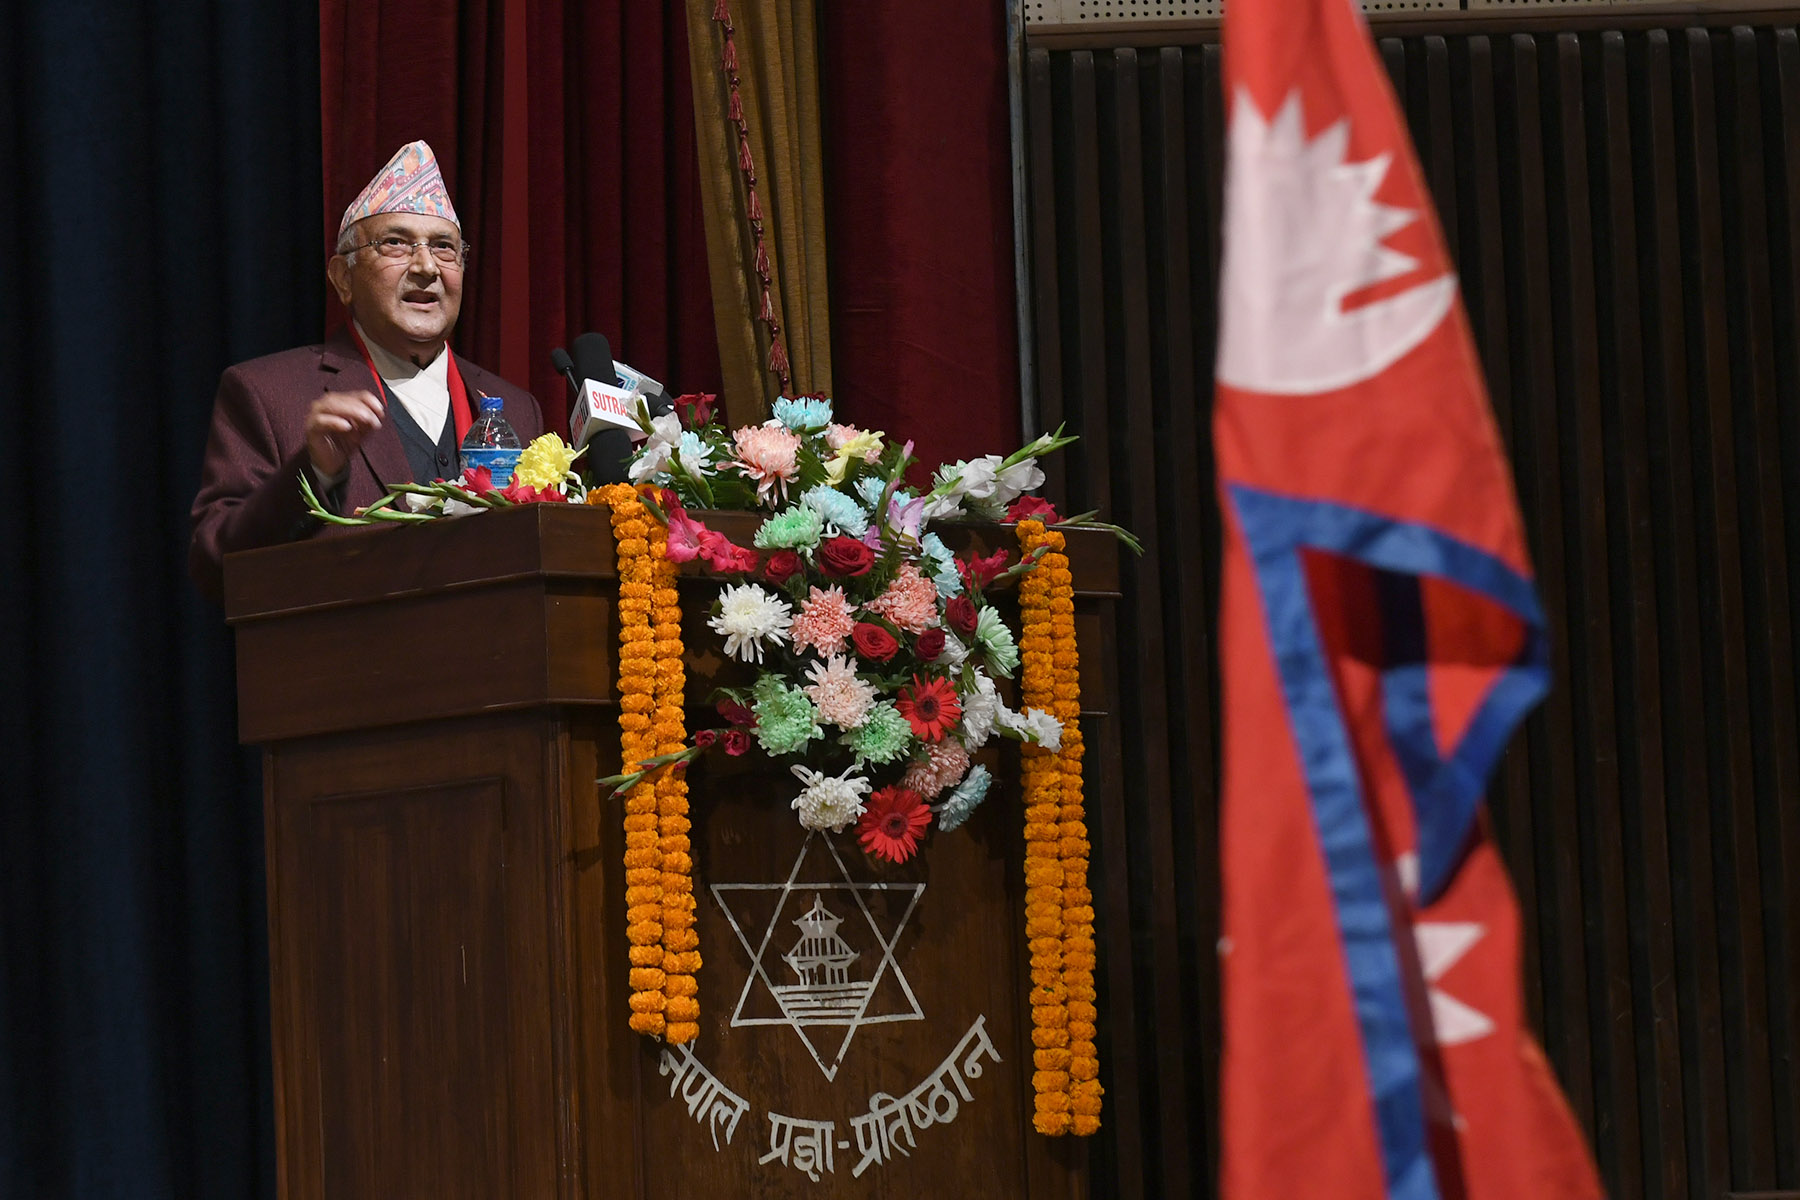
(594, 359)
(559, 358)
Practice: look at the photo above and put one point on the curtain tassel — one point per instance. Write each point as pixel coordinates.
(746, 164)
(720, 11)
(768, 306)
(730, 55)
(736, 111)
(762, 259)
(755, 208)
(778, 361)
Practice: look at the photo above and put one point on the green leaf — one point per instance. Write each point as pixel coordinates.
(1085, 521)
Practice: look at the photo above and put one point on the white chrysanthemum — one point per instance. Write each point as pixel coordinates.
(827, 801)
(1032, 725)
(748, 616)
(954, 652)
(980, 705)
(841, 698)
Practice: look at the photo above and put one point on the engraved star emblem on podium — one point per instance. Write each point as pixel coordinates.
(811, 960)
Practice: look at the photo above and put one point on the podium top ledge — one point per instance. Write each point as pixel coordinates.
(348, 567)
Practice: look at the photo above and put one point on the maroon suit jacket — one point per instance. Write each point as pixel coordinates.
(249, 480)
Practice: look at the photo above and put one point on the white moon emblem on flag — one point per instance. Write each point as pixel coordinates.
(1302, 232)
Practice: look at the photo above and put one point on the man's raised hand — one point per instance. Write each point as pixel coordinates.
(336, 425)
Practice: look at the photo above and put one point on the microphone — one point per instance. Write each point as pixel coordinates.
(594, 360)
(654, 394)
(594, 421)
(565, 366)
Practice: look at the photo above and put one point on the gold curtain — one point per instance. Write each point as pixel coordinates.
(771, 136)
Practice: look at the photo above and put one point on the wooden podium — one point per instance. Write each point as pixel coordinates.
(447, 950)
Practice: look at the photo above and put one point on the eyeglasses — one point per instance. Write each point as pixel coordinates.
(450, 253)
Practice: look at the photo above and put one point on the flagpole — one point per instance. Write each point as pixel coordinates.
(1015, 101)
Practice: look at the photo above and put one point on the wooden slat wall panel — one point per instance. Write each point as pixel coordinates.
(1624, 208)
(1779, 62)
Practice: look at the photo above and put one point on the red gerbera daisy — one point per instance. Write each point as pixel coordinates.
(931, 706)
(891, 823)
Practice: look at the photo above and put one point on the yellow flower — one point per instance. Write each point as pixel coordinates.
(545, 463)
(865, 446)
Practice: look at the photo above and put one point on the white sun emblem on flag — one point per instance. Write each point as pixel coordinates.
(1303, 231)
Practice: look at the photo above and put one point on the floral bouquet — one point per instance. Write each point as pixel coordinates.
(545, 474)
(876, 648)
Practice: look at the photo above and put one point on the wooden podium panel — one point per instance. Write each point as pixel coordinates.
(938, 939)
(448, 961)
(412, 952)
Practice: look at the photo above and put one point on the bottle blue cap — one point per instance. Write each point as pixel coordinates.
(492, 404)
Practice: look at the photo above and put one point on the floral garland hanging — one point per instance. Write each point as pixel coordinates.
(659, 900)
(1059, 914)
(680, 941)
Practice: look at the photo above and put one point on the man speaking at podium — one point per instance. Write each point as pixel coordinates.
(331, 410)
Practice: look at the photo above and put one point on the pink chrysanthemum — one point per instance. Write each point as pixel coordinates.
(825, 622)
(769, 454)
(841, 698)
(910, 602)
(945, 765)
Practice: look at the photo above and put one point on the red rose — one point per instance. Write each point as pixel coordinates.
(873, 642)
(695, 408)
(782, 566)
(705, 737)
(1026, 508)
(845, 557)
(930, 644)
(960, 612)
(737, 742)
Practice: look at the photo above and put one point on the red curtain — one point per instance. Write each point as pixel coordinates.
(918, 187)
(565, 129)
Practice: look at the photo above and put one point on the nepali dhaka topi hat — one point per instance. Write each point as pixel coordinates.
(410, 183)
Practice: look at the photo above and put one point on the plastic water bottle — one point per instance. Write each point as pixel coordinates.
(491, 442)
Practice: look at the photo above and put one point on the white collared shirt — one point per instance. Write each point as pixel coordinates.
(424, 391)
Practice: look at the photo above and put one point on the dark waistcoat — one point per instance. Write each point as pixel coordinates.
(429, 460)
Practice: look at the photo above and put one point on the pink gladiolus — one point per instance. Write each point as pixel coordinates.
(685, 536)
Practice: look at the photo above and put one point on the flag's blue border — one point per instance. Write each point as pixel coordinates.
(1446, 789)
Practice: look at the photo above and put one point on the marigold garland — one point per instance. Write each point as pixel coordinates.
(1059, 914)
(659, 886)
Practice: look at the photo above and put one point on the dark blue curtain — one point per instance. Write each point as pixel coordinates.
(160, 210)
